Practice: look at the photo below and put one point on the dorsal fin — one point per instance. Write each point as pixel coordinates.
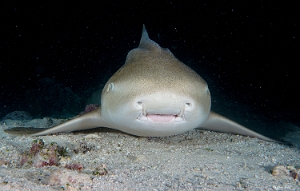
(146, 42)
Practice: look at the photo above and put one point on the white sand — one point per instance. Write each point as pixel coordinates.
(196, 160)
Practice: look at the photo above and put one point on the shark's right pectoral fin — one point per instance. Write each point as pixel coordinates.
(87, 121)
(216, 122)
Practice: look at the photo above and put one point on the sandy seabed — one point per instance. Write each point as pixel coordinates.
(195, 160)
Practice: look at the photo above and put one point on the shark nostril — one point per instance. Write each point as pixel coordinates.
(139, 105)
(188, 106)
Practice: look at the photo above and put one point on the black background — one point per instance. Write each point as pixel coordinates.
(248, 52)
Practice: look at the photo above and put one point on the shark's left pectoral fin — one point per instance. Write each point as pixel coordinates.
(216, 122)
(87, 121)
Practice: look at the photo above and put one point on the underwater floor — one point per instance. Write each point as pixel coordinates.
(111, 160)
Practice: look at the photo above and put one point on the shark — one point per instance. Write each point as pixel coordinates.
(154, 95)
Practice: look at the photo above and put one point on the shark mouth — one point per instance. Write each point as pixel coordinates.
(160, 118)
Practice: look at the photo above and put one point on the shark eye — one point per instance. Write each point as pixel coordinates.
(207, 91)
(110, 87)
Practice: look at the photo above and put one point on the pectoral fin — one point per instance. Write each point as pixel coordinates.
(216, 122)
(87, 121)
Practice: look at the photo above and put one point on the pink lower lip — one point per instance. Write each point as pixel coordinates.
(161, 118)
